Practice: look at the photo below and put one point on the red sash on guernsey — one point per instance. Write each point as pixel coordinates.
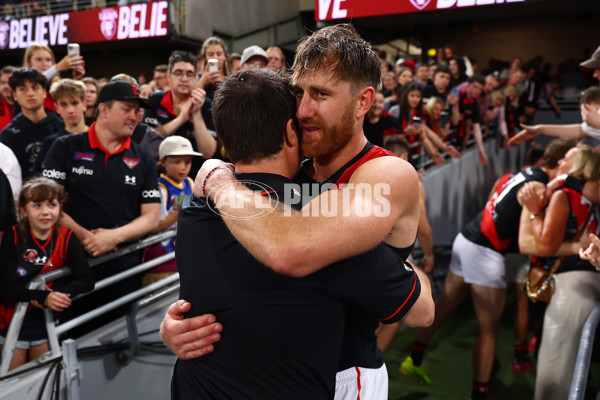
(487, 225)
(56, 260)
(374, 152)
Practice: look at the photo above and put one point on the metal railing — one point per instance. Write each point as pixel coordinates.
(54, 331)
(584, 355)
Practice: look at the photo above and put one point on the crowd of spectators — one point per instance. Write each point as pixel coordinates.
(102, 139)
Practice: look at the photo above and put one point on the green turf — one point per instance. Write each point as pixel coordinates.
(448, 362)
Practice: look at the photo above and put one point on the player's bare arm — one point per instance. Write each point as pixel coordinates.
(380, 203)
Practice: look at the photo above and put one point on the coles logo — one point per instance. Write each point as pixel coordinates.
(420, 4)
(4, 29)
(108, 22)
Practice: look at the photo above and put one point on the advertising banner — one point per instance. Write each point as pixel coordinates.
(327, 10)
(134, 21)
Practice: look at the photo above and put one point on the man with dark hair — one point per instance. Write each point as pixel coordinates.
(335, 75)
(491, 83)
(441, 80)
(160, 77)
(26, 132)
(111, 181)
(263, 141)
(7, 103)
(467, 118)
(183, 110)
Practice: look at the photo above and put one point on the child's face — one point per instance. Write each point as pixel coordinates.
(70, 109)
(177, 167)
(42, 216)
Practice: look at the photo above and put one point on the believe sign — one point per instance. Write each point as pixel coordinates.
(326, 10)
(135, 21)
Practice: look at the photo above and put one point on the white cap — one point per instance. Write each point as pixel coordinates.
(253, 51)
(176, 146)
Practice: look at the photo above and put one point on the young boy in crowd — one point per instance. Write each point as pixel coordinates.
(175, 161)
(69, 97)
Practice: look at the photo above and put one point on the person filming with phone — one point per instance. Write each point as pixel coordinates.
(183, 110)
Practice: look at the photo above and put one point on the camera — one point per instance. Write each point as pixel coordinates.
(213, 65)
(73, 48)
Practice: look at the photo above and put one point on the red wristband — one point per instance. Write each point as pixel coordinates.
(212, 171)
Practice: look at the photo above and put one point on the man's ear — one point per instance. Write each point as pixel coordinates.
(290, 138)
(365, 100)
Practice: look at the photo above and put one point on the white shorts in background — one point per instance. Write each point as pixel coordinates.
(362, 383)
(477, 264)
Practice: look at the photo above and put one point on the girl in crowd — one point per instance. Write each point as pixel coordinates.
(410, 114)
(212, 48)
(41, 57)
(577, 283)
(37, 244)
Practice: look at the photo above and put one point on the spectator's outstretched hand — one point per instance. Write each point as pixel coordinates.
(592, 252)
(483, 158)
(528, 133)
(189, 337)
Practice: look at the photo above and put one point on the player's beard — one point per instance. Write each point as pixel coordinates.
(332, 138)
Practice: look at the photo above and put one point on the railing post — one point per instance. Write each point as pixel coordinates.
(11, 337)
(72, 370)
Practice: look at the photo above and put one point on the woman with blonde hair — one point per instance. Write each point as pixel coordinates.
(545, 225)
(41, 57)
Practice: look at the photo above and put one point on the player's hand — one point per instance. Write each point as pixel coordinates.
(206, 168)
(428, 263)
(533, 196)
(189, 337)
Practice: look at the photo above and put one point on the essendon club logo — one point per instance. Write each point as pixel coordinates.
(135, 90)
(131, 162)
(420, 4)
(108, 22)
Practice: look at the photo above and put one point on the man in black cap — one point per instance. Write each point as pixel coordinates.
(111, 181)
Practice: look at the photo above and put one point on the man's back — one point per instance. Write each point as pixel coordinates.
(284, 334)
